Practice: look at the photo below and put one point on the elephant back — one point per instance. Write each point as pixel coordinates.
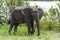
(17, 15)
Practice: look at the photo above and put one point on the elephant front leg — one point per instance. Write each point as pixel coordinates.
(29, 30)
(32, 27)
(38, 28)
(28, 22)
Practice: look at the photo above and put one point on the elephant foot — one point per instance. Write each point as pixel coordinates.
(32, 32)
(38, 34)
(9, 33)
(14, 33)
(29, 33)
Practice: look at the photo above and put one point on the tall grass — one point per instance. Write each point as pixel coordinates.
(22, 34)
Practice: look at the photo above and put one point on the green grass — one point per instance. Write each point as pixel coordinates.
(22, 34)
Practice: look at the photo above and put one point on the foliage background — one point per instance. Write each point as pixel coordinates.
(51, 18)
(49, 25)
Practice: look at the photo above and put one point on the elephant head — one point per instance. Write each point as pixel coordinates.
(37, 15)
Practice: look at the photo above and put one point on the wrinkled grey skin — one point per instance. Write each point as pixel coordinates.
(27, 16)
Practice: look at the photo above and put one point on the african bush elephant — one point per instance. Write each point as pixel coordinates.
(25, 15)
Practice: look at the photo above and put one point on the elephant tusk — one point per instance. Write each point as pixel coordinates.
(23, 12)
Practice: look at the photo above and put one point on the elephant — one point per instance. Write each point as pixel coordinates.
(25, 15)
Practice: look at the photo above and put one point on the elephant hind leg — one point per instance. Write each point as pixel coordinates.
(15, 28)
(10, 29)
